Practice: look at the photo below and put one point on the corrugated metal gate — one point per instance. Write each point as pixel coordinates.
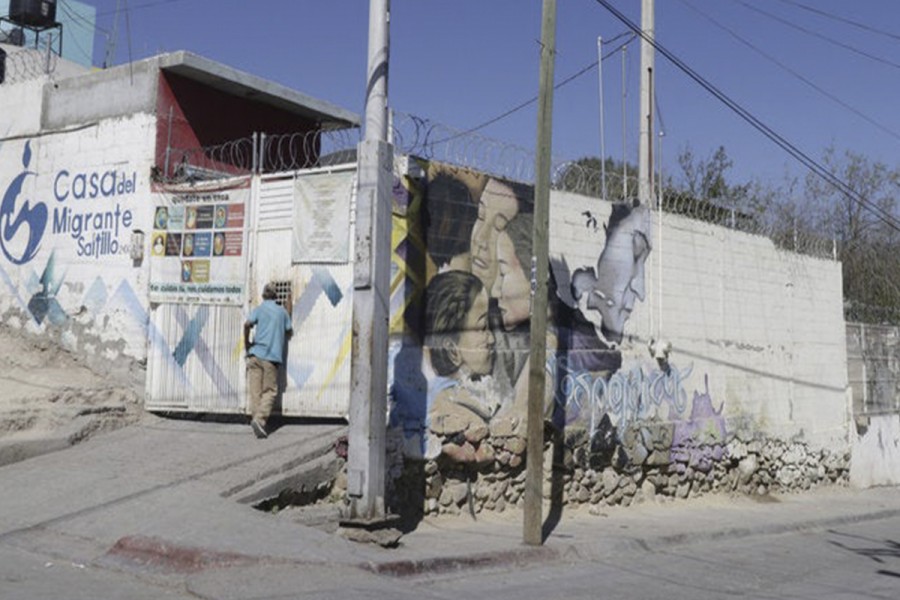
(873, 365)
(196, 354)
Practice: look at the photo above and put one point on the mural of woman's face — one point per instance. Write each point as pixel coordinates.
(512, 287)
(476, 342)
(620, 273)
(497, 206)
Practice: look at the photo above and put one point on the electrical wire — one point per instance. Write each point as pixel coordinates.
(531, 101)
(818, 35)
(884, 128)
(138, 7)
(757, 124)
(79, 19)
(74, 19)
(845, 20)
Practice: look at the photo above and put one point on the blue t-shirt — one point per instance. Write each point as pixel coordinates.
(271, 322)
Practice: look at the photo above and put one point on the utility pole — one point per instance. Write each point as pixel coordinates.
(371, 282)
(534, 470)
(602, 129)
(645, 150)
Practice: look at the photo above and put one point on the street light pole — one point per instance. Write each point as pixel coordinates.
(534, 470)
(371, 282)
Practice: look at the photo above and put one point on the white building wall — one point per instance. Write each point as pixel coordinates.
(72, 200)
(762, 327)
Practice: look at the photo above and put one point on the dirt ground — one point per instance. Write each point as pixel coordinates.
(48, 392)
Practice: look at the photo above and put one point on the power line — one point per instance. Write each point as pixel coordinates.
(138, 7)
(746, 115)
(80, 20)
(796, 74)
(527, 103)
(828, 15)
(787, 23)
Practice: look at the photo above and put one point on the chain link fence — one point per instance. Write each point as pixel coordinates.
(873, 363)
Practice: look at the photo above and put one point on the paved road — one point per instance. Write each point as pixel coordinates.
(860, 560)
(164, 510)
(855, 561)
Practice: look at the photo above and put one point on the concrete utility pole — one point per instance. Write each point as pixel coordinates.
(371, 283)
(645, 150)
(534, 470)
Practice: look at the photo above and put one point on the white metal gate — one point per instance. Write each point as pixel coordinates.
(196, 354)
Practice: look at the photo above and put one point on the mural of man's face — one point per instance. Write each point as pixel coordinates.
(512, 288)
(497, 206)
(476, 342)
(620, 272)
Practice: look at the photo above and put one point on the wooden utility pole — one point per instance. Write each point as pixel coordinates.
(534, 472)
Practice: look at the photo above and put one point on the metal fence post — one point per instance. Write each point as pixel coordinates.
(262, 153)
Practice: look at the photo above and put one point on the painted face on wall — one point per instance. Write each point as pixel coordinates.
(512, 287)
(497, 206)
(620, 272)
(476, 342)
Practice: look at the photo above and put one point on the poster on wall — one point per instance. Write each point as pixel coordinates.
(198, 244)
(322, 218)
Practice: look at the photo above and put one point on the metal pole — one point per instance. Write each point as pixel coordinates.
(534, 470)
(602, 130)
(645, 150)
(371, 281)
(169, 142)
(624, 141)
(659, 242)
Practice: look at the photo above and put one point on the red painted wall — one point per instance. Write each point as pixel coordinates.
(191, 115)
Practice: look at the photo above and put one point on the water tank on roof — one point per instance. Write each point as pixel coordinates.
(34, 13)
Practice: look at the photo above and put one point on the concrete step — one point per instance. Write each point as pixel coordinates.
(290, 470)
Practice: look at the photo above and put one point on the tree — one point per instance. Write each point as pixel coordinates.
(864, 225)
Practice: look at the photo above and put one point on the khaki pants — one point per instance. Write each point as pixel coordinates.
(262, 387)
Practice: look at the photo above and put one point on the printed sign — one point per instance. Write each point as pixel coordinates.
(198, 244)
(322, 218)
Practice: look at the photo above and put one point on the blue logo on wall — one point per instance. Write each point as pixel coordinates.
(32, 217)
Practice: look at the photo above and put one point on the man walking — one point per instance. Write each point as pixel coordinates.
(264, 354)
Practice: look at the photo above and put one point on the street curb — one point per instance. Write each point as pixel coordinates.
(447, 564)
(603, 549)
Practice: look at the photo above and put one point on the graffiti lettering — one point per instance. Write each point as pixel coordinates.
(627, 395)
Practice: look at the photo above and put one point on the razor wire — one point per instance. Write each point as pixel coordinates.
(429, 140)
(260, 153)
(209, 162)
(293, 151)
(27, 64)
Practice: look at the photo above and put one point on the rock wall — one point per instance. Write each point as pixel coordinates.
(484, 470)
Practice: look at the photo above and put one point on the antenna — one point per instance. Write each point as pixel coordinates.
(111, 42)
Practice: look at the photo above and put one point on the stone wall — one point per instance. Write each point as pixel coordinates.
(484, 470)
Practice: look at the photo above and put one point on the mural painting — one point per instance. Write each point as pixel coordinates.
(474, 319)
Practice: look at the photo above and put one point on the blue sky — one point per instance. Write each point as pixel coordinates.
(463, 62)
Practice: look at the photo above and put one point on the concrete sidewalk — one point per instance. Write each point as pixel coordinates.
(172, 498)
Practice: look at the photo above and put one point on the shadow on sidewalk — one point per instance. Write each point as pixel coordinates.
(557, 472)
